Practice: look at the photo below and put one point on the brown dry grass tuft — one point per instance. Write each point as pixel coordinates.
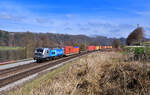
(102, 73)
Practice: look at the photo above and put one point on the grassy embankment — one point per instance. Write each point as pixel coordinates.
(43, 80)
(5, 48)
(103, 73)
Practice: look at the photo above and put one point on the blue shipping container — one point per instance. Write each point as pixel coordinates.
(76, 47)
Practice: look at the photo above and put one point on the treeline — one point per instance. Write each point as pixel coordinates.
(31, 40)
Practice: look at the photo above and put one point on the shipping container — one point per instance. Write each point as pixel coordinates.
(91, 48)
(68, 50)
(100, 47)
(75, 49)
(97, 47)
(56, 52)
(103, 47)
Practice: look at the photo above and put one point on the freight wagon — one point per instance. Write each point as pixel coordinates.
(75, 49)
(100, 47)
(110, 47)
(91, 48)
(97, 47)
(69, 50)
(103, 47)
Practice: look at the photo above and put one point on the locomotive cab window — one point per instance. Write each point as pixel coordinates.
(39, 50)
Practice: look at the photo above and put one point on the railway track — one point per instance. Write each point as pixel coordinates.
(11, 75)
(9, 70)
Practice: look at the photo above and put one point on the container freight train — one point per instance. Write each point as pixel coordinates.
(92, 48)
(41, 54)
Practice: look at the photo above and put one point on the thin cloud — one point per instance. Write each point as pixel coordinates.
(143, 13)
(73, 20)
(68, 29)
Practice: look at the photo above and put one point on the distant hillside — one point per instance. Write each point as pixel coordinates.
(50, 39)
(32, 40)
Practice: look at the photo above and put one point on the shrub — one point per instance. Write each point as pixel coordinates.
(138, 53)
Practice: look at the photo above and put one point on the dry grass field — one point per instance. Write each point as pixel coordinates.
(101, 73)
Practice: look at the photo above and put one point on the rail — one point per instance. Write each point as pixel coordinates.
(20, 73)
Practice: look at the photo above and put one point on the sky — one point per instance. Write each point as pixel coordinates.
(110, 18)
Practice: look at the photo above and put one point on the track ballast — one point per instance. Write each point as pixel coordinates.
(11, 75)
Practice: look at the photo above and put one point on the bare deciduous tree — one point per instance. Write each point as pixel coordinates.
(136, 36)
(116, 43)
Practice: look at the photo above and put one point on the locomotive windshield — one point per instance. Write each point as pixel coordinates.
(39, 50)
